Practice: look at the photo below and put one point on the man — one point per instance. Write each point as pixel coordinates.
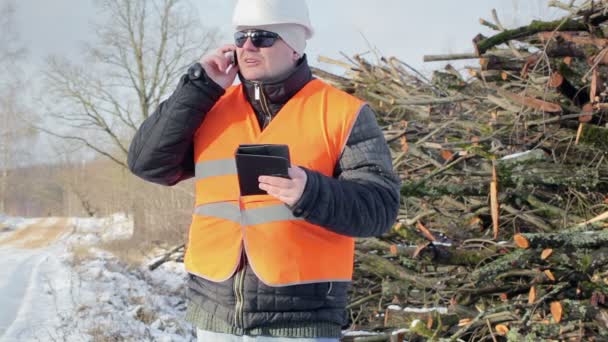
(276, 266)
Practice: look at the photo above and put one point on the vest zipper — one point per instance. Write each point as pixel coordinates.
(239, 289)
(261, 97)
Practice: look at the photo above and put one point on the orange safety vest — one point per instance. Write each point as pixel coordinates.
(282, 249)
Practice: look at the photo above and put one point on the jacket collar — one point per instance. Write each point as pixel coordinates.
(281, 89)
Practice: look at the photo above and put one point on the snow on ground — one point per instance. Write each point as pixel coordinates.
(73, 291)
(129, 304)
(36, 297)
(96, 230)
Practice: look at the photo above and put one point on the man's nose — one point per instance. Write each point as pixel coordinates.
(249, 45)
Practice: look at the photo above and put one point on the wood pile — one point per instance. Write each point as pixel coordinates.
(502, 231)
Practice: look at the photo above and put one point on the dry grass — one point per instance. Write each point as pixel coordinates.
(135, 250)
(80, 253)
(99, 334)
(129, 251)
(137, 300)
(37, 235)
(146, 316)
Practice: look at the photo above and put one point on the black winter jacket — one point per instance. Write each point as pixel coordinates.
(362, 199)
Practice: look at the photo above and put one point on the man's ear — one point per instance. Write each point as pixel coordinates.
(296, 56)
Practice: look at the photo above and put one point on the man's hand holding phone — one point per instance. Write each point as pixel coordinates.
(219, 65)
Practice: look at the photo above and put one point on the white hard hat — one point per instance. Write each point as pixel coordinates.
(269, 12)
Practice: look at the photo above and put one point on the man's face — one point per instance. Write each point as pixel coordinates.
(264, 63)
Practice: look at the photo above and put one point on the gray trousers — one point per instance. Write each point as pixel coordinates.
(208, 336)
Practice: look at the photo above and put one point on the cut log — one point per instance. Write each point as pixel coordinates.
(588, 111)
(556, 80)
(501, 329)
(482, 44)
(532, 102)
(383, 267)
(532, 295)
(501, 63)
(596, 86)
(405, 317)
(521, 241)
(572, 310)
(568, 50)
(494, 206)
(566, 331)
(515, 259)
(578, 38)
(489, 75)
(450, 57)
(444, 255)
(584, 239)
(563, 79)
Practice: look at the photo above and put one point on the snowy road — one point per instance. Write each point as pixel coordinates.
(15, 272)
(56, 284)
(27, 291)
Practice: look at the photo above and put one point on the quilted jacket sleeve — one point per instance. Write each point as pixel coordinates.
(162, 150)
(362, 199)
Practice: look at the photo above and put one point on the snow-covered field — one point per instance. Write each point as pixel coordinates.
(64, 288)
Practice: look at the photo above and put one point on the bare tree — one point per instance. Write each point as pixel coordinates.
(14, 132)
(142, 48)
(10, 50)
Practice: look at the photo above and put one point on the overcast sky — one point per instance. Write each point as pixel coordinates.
(407, 29)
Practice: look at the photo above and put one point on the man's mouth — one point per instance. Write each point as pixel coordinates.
(251, 61)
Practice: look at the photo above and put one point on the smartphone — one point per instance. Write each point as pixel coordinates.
(235, 61)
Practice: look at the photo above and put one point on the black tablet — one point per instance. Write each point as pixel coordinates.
(253, 161)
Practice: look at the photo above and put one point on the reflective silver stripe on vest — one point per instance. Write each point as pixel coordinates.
(249, 217)
(214, 168)
(273, 213)
(226, 211)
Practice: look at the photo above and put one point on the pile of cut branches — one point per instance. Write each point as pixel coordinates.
(502, 231)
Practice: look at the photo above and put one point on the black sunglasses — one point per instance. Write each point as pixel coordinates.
(259, 38)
